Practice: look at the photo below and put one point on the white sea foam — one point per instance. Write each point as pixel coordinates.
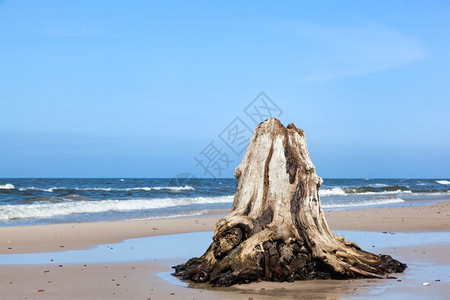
(443, 181)
(48, 210)
(157, 188)
(50, 190)
(384, 192)
(143, 188)
(364, 203)
(339, 191)
(7, 186)
(332, 191)
(91, 189)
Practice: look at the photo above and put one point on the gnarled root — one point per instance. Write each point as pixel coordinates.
(233, 259)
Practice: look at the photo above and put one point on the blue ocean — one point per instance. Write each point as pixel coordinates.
(47, 201)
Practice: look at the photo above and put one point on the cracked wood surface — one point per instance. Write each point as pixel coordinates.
(276, 230)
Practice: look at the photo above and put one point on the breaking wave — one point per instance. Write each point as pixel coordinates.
(49, 210)
(143, 188)
(332, 191)
(364, 191)
(7, 186)
(323, 192)
(363, 203)
(443, 181)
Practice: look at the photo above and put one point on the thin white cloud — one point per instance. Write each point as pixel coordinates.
(360, 49)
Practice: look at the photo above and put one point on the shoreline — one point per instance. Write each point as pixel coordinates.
(75, 236)
(427, 262)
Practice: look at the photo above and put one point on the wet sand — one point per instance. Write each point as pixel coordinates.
(140, 280)
(60, 237)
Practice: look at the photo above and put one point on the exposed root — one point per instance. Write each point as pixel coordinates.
(260, 258)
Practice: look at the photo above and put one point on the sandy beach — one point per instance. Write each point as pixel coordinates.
(147, 279)
(224, 150)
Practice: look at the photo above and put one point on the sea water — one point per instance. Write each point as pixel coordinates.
(180, 246)
(46, 201)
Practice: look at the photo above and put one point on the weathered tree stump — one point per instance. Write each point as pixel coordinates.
(276, 230)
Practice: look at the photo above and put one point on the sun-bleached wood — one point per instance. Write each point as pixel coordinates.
(276, 230)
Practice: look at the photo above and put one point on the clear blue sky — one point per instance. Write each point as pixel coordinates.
(138, 88)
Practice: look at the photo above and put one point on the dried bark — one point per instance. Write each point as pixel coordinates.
(276, 230)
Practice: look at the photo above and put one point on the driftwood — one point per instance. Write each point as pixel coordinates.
(276, 230)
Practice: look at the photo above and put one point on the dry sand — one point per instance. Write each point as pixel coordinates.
(140, 280)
